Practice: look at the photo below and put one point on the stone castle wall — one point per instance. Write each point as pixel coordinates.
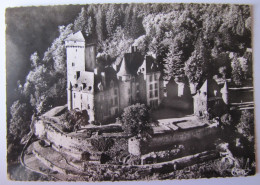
(61, 140)
(166, 140)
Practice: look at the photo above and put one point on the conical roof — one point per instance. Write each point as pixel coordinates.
(123, 71)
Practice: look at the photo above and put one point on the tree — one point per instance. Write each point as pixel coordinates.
(226, 119)
(80, 21)
(246, 125)
(135, 119)
(196, 67)
(20, 119)
(237, 72)
(136, 28)
(34, 59)
(73, 120)
(101, 24)
(112, 18)
(102, 144)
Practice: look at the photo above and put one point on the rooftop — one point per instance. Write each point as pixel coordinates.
(78, 36)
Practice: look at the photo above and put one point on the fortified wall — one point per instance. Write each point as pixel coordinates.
(74, 146)
(164, 141)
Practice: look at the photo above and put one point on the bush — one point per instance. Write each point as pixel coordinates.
(135, 119)
(246, 125)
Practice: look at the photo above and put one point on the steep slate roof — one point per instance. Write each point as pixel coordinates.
(123, 70)
(211, 87)
(78, 36)
(130, 64)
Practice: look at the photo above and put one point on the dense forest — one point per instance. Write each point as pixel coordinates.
(191, 42)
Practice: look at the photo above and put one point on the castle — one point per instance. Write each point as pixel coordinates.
(105, 91)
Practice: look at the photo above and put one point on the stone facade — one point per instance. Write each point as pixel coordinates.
(210, 100)
(104, 91)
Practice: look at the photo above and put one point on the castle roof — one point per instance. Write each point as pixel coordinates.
(130, 63)
(123, 71)
(209, 86)
(78, 36)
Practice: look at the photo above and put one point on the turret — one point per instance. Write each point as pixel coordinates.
(123, 73)
(224, 92)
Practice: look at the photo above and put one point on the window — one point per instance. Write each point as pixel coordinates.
(89, 88)
(111, 101)
(81, 96)
(73, 64)
(155, 76)
(116, 111)
(116, 101)
(151, 78)
(151, 87)
(129, 91)
(74, 95)
(156, 93)
(156, 86)
(115, 91)
(151, 94)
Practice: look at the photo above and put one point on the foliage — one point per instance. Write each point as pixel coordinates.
(197, 66)
(135, 119)
(237, 72)
(246, 125)
(20, 121)
(74, 119)
(226, 119)
(102, 144)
